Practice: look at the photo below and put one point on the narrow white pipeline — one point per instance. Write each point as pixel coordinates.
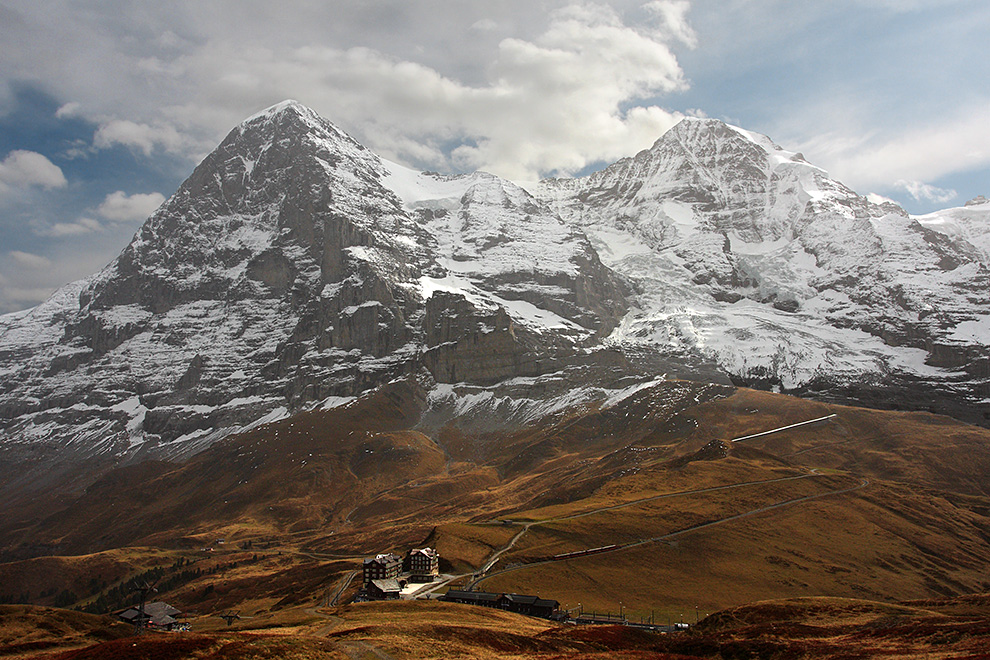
(784, 428)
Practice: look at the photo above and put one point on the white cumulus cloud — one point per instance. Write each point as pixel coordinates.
(673, 19)
(921, 191)
(144, 137)
(551, 104)
(121, 207)
(68, 110)
(484, 25)
(533, 88)
(77, 228)
(28, 168)
(928, 152)
(29, 260)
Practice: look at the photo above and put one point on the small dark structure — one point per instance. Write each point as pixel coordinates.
(481, 598)
(157, 616)
(518, 603)
(384, 589)
(382, 567)
(424, 564)
(230, 617)
(529, 605)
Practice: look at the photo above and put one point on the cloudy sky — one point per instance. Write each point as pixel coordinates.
(107, 105)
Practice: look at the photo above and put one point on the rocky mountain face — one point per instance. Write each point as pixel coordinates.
(295, 268)
(287, 271)
(750, 255)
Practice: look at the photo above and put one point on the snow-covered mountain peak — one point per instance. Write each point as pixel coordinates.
(969, 223)
(295, 266)
(245, 215)
(754, 257)
(290, 112)
(701, 176)
(290, 133)
(696, 131)
(288, 105)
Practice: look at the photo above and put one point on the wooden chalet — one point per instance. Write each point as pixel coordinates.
(389, 589)
(157, 615)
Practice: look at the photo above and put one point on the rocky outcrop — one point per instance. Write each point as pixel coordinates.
(465, 344)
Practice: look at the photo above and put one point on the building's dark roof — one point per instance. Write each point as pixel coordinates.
(521, 603)
(156, 613)
(391, 585)
(520, 598)
(535, 601)
(383, 559)
(471, 596)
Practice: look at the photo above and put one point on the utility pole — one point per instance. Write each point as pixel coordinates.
(230, 617)
(141, 620)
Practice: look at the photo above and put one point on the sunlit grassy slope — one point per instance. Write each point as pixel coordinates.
(866, 505)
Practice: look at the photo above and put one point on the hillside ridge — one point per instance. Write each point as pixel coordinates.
(296, 269)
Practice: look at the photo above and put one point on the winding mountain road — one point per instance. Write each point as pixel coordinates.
(334, 598)
(355, 649)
